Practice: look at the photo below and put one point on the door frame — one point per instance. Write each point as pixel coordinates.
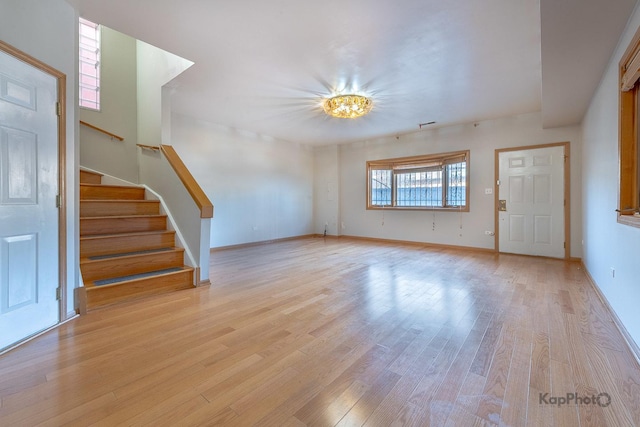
(61, 79)
(567, 191)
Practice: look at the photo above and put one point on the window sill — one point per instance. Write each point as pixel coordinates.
(633, 221)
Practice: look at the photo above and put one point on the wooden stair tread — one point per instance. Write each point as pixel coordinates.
(128, 255)
(123, 216)
(96, 208)
(110, 186)
(109, 191)
(83, 171)
(103, 244)
(91, 285)
(89, 177)
(97, 296)
(117, 201)
(132, 234)
(96, 225)
(131, 264)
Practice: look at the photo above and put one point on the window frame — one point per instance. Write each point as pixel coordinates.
(419, 162)
(629, 157)
(97, 64)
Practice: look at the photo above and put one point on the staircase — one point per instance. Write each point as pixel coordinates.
(126, 250)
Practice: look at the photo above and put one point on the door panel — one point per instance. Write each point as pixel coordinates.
(516, 228)
(17, 92)
(18, 183)
(28, 212)
(516, 189)
(542, 189)
(19, 260)
(542, 229)
(532, 184)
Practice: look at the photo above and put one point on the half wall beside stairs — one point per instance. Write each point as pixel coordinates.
(128, 245)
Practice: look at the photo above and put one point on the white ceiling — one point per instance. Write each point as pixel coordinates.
(263, 66)
(578, 39)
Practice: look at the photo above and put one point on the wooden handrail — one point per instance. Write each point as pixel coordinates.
(201, 199)
(149, 147)
(106, 132)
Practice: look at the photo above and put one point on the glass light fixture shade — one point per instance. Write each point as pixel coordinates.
(347, 106)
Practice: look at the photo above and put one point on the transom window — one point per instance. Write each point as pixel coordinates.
(439, 181)
(89, 75)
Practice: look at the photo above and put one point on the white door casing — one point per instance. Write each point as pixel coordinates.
(29, 222)
(532, 185)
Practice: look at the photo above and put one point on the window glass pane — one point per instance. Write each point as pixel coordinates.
(456, 184)
(89, 57)
(419, 188)
(381, 187)
(88, 44)
(88, 81)
(89, 95)
(434, 186)
(89, 65)
(88, 69)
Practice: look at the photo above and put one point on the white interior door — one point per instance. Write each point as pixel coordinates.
(28, 190)
(531, 191)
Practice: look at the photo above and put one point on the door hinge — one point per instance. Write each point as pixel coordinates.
(58, 109)
(564, 245)
(58, 296)
(498, 182)
(58, 201)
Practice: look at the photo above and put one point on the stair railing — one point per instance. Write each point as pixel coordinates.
(106, 132)
(163, 172)
(198, 195)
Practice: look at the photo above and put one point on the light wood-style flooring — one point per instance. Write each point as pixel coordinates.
(338, 332)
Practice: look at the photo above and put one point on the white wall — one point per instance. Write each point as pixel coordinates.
(482, 140)
(118, 111)
(326, 190)
(156, 68)
(261, 188)
(608, 244)
(46, 30)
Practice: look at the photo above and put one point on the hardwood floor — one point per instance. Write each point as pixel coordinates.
(338, 332)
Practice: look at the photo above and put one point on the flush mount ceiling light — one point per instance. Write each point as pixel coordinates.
(347, 106)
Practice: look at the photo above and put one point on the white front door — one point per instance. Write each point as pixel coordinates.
(28, 190)
(531, 209)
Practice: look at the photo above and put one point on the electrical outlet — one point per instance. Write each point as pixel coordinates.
(489, 233)
(488, 191)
